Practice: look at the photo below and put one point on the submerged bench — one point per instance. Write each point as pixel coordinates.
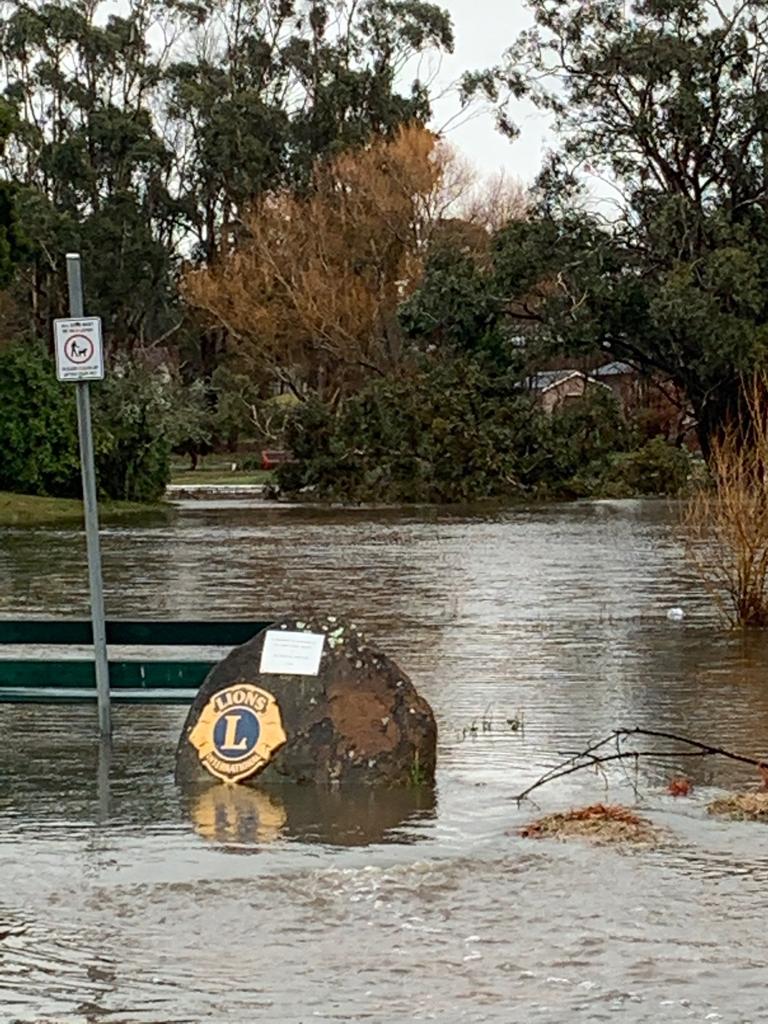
(141, 681)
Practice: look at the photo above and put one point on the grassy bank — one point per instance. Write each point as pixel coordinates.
(29, 510)
(216, 468)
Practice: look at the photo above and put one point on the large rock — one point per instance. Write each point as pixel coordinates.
(359, 720)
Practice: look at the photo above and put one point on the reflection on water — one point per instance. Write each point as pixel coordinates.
(238, 817)
(115, 888)
(245, 818)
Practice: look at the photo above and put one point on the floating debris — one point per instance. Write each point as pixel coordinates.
(741, 806)
(517, 722)
(679, 786)
(598, 823)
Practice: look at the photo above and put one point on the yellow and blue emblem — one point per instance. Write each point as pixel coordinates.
(238, 731)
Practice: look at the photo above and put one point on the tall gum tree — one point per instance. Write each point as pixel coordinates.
(141, 132)
(667, 100)
(89, 166)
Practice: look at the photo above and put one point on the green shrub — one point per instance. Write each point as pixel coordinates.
(586, 432)
(38, 425)
(457, 431)
(656, 468)
(137, 417)
(451, 432)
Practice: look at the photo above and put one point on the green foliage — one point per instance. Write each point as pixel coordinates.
(441, 435)
(37, 424)
(138, 416)
(656, 468)
(455, 431)
(581, 439)
(91, 167)
(235, 397)
(132, 136)
(665, 100)
(456, 304)
(13, 247)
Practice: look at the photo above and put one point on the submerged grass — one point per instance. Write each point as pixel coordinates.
(741, 806)
(601, 824)
(32, 510)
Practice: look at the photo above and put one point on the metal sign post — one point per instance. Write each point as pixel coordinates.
(79, 358)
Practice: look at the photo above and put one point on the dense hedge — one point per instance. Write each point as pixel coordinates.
(455, 432)
(38, 427)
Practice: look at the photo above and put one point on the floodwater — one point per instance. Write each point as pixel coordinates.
(124, 900)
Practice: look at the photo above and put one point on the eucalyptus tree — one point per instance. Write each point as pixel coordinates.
(667, 101)
(91, 169)
(271, 85)
(142, 133)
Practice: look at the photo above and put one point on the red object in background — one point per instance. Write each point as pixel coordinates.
(272, 457)
(679, 786)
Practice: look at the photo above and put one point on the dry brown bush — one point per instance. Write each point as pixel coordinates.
(312, 286)
(725, 521)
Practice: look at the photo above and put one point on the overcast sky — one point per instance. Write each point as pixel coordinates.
(484, 29)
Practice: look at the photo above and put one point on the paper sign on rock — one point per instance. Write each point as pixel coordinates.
(286, 653)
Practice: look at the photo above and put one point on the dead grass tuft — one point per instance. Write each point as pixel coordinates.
(741, 806)
(598, 823)
(726, 523)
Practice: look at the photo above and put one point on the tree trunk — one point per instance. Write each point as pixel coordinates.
(716, 410)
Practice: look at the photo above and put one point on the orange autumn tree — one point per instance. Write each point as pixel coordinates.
(311, 287)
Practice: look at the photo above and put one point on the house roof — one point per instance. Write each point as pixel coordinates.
(616, 369)
(551, 378)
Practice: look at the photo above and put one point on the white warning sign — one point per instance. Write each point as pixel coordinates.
(79, 351)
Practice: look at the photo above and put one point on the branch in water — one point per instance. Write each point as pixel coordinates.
(591, 758)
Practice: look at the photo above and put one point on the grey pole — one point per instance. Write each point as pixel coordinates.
(75, 283)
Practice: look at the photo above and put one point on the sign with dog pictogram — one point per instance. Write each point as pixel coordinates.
(79, 351)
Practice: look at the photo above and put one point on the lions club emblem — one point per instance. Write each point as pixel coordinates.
(238, 731)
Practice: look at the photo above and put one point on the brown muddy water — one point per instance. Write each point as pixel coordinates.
(128, 901)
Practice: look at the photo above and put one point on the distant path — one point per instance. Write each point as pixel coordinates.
(179, 491)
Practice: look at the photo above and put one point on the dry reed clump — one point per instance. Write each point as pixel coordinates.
(726, 523)
(741, 806)
(601, 824)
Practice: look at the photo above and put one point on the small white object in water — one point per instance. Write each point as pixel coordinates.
(675, 614)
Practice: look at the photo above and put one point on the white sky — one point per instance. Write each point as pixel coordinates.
(483, 30)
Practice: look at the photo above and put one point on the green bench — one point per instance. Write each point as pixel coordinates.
(143, 681)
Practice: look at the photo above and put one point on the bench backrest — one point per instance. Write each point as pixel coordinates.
(47, 679)
(171, 633)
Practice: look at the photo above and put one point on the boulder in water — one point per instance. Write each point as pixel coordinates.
(359, 720)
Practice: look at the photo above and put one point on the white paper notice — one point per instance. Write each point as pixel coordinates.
(291, 654)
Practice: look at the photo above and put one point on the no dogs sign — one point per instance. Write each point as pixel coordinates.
(79, 351)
